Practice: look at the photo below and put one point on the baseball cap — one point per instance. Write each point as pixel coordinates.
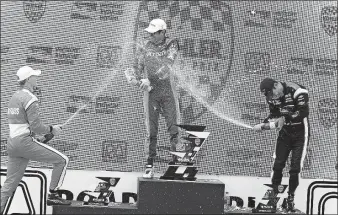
(156, 25)
(267, 85)
(26, 72)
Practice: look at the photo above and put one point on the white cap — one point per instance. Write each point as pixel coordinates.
(26, 72)
(156, 25)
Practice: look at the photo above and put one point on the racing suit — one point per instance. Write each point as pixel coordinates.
(24, 122)
(293, 136)
(154, 62)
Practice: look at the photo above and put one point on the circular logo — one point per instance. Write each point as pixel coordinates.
(280, 188)
(328, 112)
(112, 181)
(329, 19)
(205, 33)
(34, 10)
(197, 142)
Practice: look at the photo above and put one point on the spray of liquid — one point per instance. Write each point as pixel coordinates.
(200, 96)
(113, 73)
(219, 107)
(94, 96)
(193, 91)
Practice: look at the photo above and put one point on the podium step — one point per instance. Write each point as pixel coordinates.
(159, 196)
(78, 208)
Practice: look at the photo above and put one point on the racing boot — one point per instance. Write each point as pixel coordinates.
(290, 203)
(149, 173)
(55, 199)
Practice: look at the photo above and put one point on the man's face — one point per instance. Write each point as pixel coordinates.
(275, 93)
(157, 37)
(33, 81)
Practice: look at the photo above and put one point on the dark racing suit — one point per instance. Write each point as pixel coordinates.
(294, 135)
(153, 62)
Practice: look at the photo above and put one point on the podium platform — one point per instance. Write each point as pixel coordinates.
(159, 196)
(113, 208)
(180, 197)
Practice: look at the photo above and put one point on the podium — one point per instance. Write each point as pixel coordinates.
(178, 191)
(159, 196)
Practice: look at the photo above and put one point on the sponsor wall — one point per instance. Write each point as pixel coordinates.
(227, 48)
(244, 192)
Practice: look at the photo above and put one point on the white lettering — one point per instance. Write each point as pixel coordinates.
(14, 111)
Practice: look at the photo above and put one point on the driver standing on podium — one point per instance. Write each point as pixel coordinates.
(152, 73)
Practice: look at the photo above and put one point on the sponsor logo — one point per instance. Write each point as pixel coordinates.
(328, 112)
(103, 194)
(34, 10)
(326, 67)
(108, 56)
(257, 63)
(264, 18)
(298, 65)
(14, 111)
(103, 10)
(30, 194)
(64, 146)
(281, 188)
(98, 105)
(155, 54)
(320, 66)
(114, 151)
(329, 20)
(318, 195)
(271, 196)
(64, 55)
(4, 52)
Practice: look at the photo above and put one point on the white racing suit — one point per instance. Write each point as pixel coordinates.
(24, 120)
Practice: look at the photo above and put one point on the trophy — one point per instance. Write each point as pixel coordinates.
(271, 196)
(184, 168)
(102, 195)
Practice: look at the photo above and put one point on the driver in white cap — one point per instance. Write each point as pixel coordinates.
(24, 121)
(153, 69)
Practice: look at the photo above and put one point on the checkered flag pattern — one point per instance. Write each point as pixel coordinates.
(198, 15)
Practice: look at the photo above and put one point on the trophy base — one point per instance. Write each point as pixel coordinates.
(180, 172)
(178, 163)
(269, 209)
(95, 203)
(178, 178)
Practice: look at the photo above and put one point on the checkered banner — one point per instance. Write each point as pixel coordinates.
(205, 33)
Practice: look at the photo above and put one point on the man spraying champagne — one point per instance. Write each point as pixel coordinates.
(152, 73)
(289, 110)
(24, 123)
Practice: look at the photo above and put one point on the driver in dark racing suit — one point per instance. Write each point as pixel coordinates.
(289, 110)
